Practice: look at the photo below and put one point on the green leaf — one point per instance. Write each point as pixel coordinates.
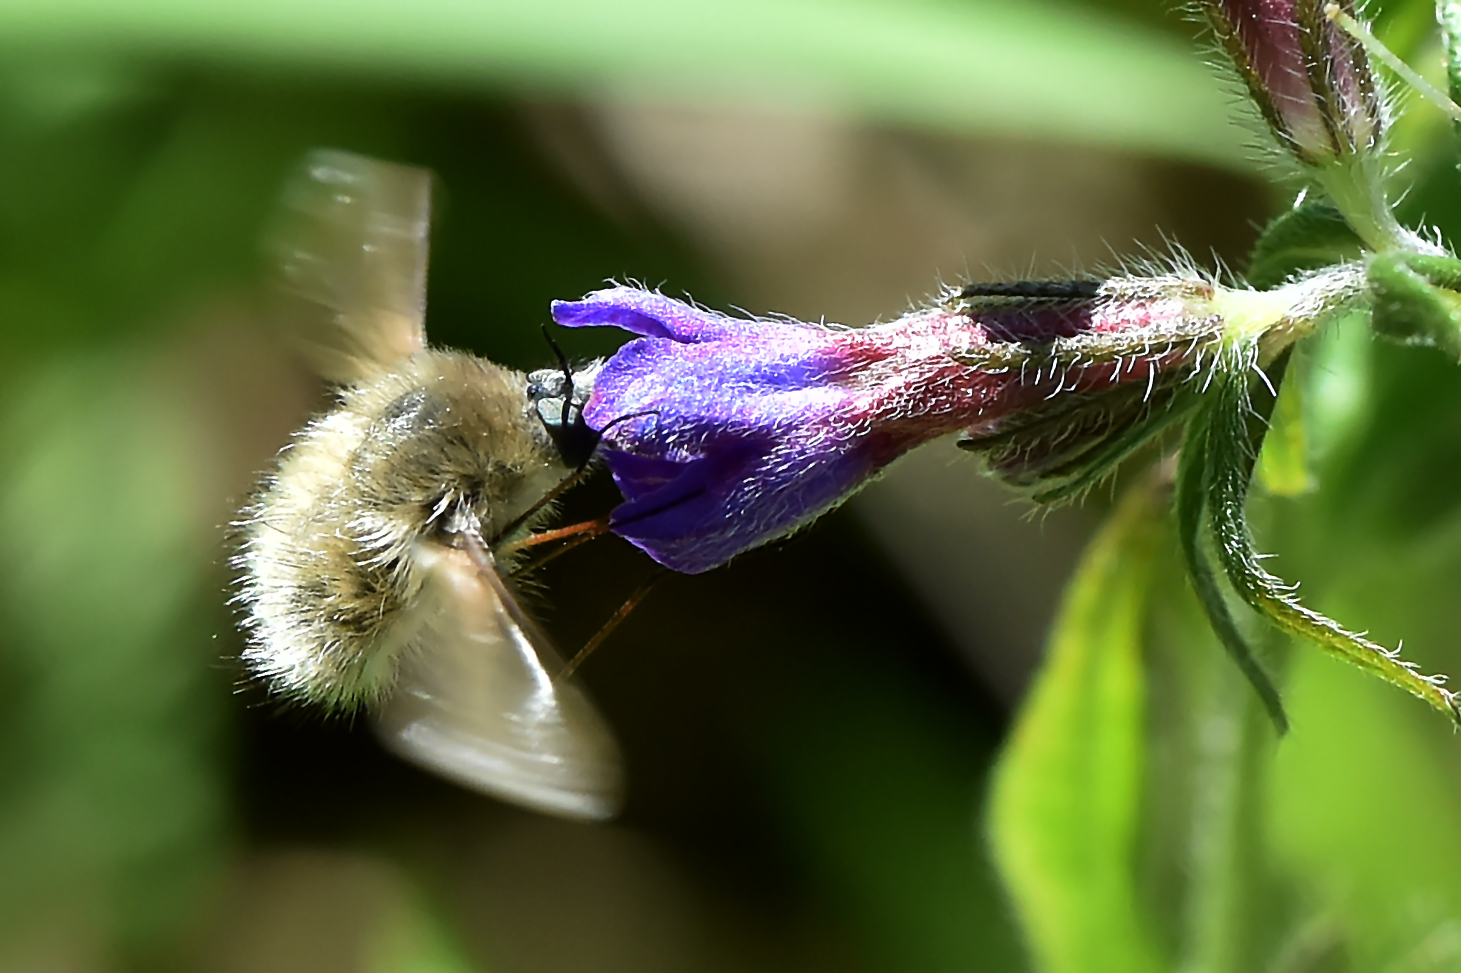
(1224, 922)
(1068, 789)
(1311, 235)
(1194, 477)
(1205, 880)
(1026, 69)
(1283, 463)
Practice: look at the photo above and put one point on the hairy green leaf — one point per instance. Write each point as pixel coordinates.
(1230, 448)
(1194, 476)
(1309, 236)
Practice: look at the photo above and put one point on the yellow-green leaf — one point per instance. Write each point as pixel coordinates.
(1067, 791)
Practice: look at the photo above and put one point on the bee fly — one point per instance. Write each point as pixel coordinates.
(372, 561)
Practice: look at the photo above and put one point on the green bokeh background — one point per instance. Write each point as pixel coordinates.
(811, 730)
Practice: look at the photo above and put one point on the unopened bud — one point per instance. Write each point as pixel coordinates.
(1311, 80)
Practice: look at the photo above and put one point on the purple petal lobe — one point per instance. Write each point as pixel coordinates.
(647, 313)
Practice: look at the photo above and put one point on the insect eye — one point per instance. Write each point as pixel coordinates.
(558, 397)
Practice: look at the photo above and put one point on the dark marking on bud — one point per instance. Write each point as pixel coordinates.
(1034, 290)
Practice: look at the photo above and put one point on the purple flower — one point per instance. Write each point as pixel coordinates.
(1312, 81)
(724, 433)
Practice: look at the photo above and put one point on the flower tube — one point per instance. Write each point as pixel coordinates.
(724, 433)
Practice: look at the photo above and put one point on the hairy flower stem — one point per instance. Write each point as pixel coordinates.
(1357, 188)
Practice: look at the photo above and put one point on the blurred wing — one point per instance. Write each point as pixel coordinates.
(477, 703)
(351, 243)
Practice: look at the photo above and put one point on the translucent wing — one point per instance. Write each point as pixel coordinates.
(352, 242)
(478, 703)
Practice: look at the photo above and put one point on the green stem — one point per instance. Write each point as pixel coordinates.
(1357, 186)
(1382, 53)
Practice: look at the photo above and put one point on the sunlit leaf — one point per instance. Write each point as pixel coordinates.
(1068, 789)
(1283, 465)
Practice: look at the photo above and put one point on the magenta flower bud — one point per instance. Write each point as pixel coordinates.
(725, 433)
(1311, 80)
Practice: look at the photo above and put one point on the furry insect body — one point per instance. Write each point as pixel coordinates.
(413, 457)
(372, 562)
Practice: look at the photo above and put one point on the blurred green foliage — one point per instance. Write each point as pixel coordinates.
(1142, 816)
